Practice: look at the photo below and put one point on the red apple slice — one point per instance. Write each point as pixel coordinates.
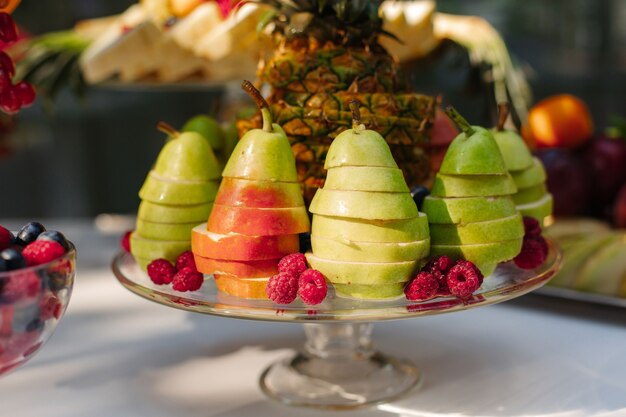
(239, 247)
(253, 221)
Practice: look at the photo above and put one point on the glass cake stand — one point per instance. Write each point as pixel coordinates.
(338, 368)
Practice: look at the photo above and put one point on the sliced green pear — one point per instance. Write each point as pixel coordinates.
(357, 251)
(165, 231)
(160, 213)
(188, 157)
(473, 154)
(473, 185)
(514, 151)
(359, 147)
(261, 155)
(154, 249)
(534, 175)
(370, 292)
(467, 209)
(366, 179)
(538, 209)
(506, 228)
(143, 262)
(367, 273)
(575, 253)
(577, 228)
(339, 228)
(604, 271)
(528, 195)
(256, 193)
(371, 205)
(483, 255)
(157, 189)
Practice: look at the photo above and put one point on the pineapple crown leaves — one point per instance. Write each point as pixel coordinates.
(344, 22)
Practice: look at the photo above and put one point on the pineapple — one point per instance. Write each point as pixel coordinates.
(326, 54)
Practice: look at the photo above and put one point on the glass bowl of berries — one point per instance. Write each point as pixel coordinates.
(37, 269)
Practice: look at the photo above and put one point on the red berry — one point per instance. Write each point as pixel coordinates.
(531, 226)
(6, 238)
(25, 93)
(42, 251)
(187, 279)
(186, 260)
(294, 264)
(312, 287)
(534, 252)
(161, 271)
(282, 288)
(50, 307)
(20, 285)
(464, 278)
(6, 63)
(423, 287)
(126, 241)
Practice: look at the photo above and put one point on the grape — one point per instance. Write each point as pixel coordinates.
(25, 93)
(10, 102)
(6, 63)
(8, 31)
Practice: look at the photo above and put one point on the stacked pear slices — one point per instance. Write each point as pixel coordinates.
(470, 210)
(367, 235)
(532, 197)
(177, 194)
(258, 213)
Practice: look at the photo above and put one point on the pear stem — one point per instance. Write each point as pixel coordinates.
(261, 103)
(356, 113)
(168, 129)
(459, 120)
(503, 114)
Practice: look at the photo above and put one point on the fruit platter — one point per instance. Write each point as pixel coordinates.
(327, 211)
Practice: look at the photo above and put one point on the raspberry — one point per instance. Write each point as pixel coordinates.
(187, 279)
(439, 267)
(50, 307)
(161, 271)
(282, 288)
(20, 285)
(294, 264)
(6, 238)
(42, 251)
(185, 260)
(126, 241)
(534, 252)
(463, 279)
(439, 263)
(312, 287)
(423, 287)
(531, 226)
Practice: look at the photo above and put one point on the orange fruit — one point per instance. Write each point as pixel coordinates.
(242, 288)
(561, 121)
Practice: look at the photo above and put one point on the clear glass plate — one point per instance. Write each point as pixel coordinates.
(338, 367)
(505, 283)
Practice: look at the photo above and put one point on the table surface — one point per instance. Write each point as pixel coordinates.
(115, 354)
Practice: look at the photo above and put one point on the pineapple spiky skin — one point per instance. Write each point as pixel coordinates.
(317, 69)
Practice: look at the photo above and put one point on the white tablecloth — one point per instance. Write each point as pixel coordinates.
(115, 354)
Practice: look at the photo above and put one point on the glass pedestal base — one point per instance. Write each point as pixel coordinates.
(339, 369)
